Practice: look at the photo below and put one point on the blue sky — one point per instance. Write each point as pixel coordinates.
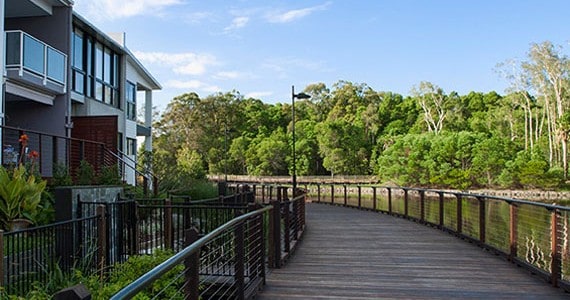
(262, 48)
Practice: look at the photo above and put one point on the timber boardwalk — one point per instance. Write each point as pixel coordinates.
(354, 254)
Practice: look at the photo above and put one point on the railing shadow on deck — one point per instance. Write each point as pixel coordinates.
(530, 234)
(230, 261)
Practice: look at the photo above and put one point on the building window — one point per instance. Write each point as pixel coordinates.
(95, 69)
(131, 146)
(131, 99)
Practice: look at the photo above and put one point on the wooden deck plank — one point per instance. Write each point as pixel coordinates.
(352, 254)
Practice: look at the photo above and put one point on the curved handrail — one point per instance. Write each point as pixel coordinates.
(468, 215)
(138, 285)
(467, 194)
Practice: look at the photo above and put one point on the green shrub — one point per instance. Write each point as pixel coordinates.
(135, 267)
(61, 176)
(85, 173)
(196, 189)
(121, 275)
(110, 175)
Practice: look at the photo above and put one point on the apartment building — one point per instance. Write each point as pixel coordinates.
(65, 78)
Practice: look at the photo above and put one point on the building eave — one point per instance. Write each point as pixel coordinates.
(154, 84)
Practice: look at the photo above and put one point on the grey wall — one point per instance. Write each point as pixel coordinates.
(55, 30)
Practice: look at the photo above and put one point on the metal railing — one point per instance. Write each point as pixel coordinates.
(229, 262)
(37, 254)
(55, 151)
(224, 263)
(531, 234)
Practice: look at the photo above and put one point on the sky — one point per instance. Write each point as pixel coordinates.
(263, 48)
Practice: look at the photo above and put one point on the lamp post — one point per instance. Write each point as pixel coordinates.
(293, 96)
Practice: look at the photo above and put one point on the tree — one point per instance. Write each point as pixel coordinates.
(267, 156)
(343, 147)
(432, 100)
(549, 72)
(489, 158)
(190, 163)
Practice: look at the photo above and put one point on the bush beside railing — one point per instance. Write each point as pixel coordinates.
(113, 232)
(229, 262)
(35, 254)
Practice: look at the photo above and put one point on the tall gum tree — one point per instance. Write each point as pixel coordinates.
(548, 70)
(432, 100)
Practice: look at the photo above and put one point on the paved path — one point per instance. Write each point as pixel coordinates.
(352, 254)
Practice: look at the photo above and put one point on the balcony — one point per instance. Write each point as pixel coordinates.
(35, 64)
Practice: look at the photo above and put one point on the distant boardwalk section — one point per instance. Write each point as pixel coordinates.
(354, 254)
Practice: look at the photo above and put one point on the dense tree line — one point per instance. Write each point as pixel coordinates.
(429, 138)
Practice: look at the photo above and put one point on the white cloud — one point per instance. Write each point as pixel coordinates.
(197, 17)
(258, 95)
(284, 64)
(192, 85)
(292, 15)
(226, 75)
(115, 9)
(237, 22)
(181, 63)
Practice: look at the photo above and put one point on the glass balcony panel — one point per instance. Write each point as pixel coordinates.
(56, 65)
(34, 59)
(12, 48)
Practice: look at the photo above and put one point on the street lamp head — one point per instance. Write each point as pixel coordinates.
(301, 96)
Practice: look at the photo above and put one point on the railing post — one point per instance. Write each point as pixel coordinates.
(155, 185)
(1, 256)
(262, 253)
(133, 227)
(251, 240)
(406, 202)
(441, 210)
(513, 231)
(239, 260)
(345, 195)
(459, 213)
(303, 212)
(275, 234)
(168, 224)
(192, 267)
(359, 197)
(422, 205)
(318, 193)
(55, 151)
(374, 200)
(145, 186)
(482, 220)
(287, 226)
(556, 262)
(102, 241)
(389, 200)
(262, 193)
(297, 218)
(332, 194)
